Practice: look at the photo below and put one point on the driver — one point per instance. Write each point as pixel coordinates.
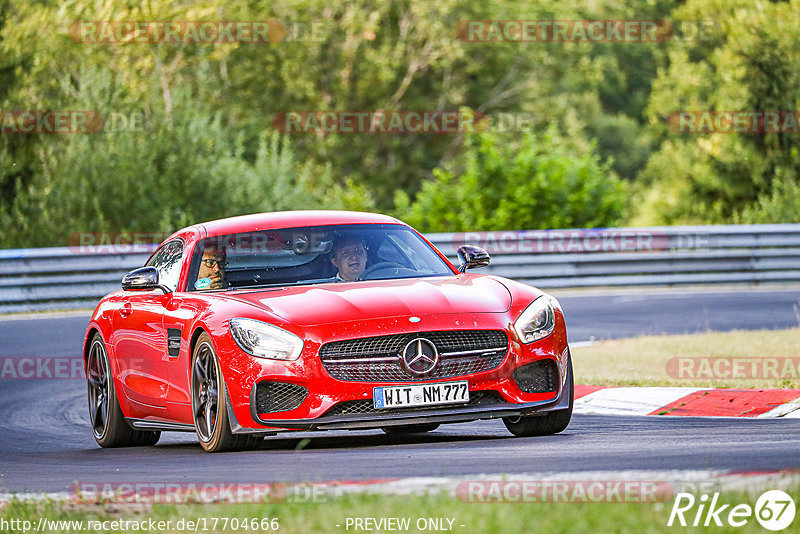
(212, 270)
(349, 256)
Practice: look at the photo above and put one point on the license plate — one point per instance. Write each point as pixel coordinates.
(421, 395)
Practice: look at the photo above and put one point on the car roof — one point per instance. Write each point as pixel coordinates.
(290, 219)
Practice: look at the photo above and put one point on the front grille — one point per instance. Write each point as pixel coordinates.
(537, 377)
(378, 359)
(367, 407)
(278, 396)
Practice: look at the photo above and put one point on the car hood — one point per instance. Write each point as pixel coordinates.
(353, 301)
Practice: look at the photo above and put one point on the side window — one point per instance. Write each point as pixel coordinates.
(168, 262)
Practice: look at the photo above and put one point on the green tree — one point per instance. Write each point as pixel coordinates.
(395, 55)
(399, 54)
(172, 173)
(750, 60)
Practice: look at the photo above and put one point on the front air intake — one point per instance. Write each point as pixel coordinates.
(278, 396)
(537, 377)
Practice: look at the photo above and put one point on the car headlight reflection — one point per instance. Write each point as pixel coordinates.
(537, 321)
(264, 340)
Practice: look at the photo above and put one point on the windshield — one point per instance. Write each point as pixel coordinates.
(313, 255)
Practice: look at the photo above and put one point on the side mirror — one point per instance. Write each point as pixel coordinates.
(472, 257)
(143, 278)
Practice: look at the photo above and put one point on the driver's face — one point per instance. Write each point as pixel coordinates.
(351, 260)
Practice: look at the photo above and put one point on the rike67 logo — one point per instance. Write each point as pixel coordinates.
(774, 510)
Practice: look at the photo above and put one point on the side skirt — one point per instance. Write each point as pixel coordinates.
(146, 424)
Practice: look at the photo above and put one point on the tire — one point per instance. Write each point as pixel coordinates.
(105, 416)
(410, 429)
(208, 403)
(547, 424)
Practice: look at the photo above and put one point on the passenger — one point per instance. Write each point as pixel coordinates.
(212, 270)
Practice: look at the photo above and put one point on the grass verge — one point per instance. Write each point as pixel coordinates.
(645, 361)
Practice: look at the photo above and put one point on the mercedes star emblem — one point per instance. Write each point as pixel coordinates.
(420, 356)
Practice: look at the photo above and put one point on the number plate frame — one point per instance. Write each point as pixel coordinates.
(415, 395)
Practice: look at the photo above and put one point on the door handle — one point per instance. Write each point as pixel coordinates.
(126, 309)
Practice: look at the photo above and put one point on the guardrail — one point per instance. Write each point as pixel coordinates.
(66, 277)
(655, 256)
(61, 278)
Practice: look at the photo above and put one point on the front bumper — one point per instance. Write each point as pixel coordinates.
(325, 392)
(454, 414)
(432, 415)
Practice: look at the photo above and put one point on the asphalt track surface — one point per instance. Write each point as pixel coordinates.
(46, 444)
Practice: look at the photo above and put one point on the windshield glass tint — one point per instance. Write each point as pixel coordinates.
(313, 255)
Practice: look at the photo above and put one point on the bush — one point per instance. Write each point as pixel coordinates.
(781, 205)
(543, 183)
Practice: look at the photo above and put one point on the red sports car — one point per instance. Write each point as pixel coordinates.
(318, 320)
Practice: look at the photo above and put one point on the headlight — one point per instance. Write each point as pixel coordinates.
(537, 321)
(264, 340)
